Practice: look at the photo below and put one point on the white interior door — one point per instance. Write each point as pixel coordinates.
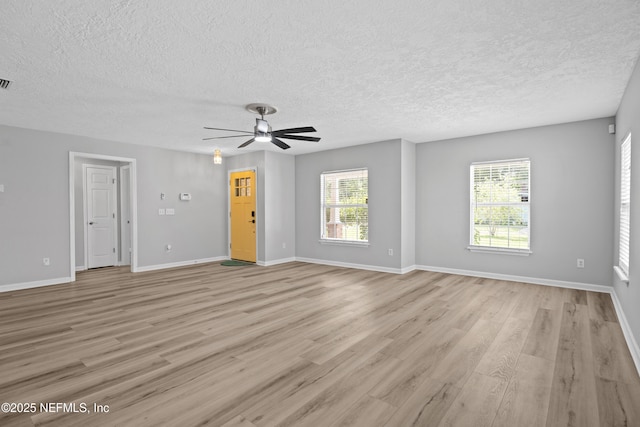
(100, 197)
(125, 215)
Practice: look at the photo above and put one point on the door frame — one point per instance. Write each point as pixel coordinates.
(253, 169)
(122, 215)
(72, 219)
(85, 211)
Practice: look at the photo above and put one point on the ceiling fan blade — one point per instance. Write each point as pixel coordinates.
(222, 137)
(230, 130)
(246, 143)
(293, 130)
(279, 143)
(300, 137)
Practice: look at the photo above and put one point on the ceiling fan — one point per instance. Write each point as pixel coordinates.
(262, 131)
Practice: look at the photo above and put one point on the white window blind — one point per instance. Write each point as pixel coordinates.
(344, 205)
(500, 205)
(625, 204)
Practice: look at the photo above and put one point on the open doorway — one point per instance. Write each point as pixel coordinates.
(103, 211)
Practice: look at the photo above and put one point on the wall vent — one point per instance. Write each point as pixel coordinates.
(4, 84)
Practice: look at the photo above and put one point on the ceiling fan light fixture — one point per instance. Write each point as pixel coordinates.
(262, 137)
(217, 157)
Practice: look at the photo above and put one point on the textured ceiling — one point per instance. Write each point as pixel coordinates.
(156, 71)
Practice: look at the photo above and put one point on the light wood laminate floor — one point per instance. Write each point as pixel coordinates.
(308, 345)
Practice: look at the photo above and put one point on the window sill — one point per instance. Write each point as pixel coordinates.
(343, 243)
(504, 251)
(621, 274)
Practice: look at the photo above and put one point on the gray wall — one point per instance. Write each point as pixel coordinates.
(628, 120)
(34, 209)
(197, 231)
(383, 159)
(572, 170)
(280, 208)
(408, 204)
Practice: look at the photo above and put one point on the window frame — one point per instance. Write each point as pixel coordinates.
(323, 206)
(624, 213)
(497, 249)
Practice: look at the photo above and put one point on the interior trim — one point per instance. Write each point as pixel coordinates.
(351, 265)
(36, 284)
(180, 264)
(275, 262)
(524, 279)
(632, 344)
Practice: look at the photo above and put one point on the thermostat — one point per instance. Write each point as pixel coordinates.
(185, 196)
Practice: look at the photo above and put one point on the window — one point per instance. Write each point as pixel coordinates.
(344, 202)
(625, 207)
(500, 206)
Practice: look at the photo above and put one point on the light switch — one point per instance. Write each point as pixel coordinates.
(1, 188)
(160, 211)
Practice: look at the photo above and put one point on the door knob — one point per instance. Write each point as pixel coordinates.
(91, 223)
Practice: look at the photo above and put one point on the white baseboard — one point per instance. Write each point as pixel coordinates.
(80, 268)
(351, 265)
(626, 330)
(179, 264)
(36, 284)
(523, 279)
(275, 262)
(408, 269)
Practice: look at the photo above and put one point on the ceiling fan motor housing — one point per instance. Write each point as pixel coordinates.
(262, 126)
(262, 131)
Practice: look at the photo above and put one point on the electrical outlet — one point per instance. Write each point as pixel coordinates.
(46, 261)
(390, 252)
(160, 211)
(580, 263)
(170, 211)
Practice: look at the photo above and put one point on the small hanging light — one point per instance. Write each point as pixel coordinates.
(217, 157)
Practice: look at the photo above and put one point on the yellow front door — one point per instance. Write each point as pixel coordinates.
(243, 215)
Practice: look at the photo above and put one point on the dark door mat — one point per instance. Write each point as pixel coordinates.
(234, 263)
